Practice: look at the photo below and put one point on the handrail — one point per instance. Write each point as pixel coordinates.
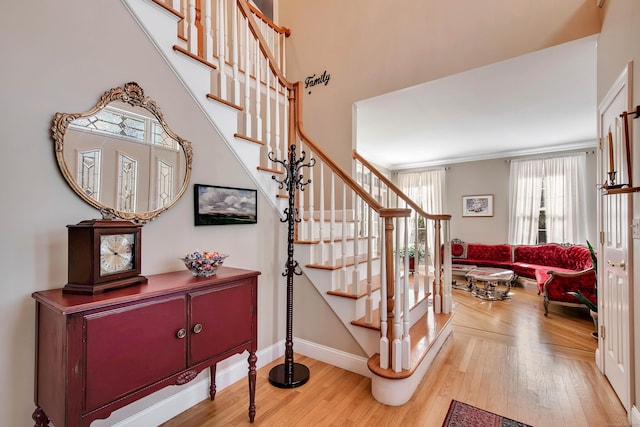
(264, 46)
(295, 88)
(399, 192)
(282, 30)
(375, 205)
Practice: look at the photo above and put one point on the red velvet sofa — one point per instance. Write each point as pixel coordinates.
(556, 269)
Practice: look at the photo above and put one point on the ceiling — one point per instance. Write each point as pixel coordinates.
(541, 102)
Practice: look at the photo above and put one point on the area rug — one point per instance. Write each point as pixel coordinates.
(463, 415)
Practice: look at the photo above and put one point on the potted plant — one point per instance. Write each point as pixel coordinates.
(593, 308)
(411, 252)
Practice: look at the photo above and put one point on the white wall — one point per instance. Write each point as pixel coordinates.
(61, 57)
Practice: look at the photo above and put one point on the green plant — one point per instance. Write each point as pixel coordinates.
(411, 251)
(577, 294)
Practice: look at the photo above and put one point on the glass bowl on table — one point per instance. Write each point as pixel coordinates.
(203, 264)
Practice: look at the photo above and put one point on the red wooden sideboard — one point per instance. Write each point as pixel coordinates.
(98, 353)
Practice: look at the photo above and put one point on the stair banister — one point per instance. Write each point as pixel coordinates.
(440, 290)
(389, 216)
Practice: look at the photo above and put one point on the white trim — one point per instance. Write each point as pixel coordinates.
(341, 359)
(158, 408)
(398, 392)
(578, 145)
(635, 416)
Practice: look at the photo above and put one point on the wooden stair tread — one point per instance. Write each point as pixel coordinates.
(375, 285)
(376, 313)
(338, 240)
(349, 262)
(184, 51)
(424, 334)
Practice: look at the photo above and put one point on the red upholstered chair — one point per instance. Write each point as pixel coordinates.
(556, 287)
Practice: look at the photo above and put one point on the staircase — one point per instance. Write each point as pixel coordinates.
(231, 59)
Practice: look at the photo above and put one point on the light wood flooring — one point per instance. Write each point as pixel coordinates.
(503, 356)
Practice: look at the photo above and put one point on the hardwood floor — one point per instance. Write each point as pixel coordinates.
(503, 356)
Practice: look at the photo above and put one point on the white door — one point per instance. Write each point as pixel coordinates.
(613, 299)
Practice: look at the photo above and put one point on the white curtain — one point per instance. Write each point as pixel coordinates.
(425, 188)
(525, 193)
(565, 199)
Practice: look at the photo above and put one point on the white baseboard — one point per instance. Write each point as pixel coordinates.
(635, 416)
(341, 359)
(165, 404)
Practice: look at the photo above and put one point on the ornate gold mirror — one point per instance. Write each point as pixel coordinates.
(121, 156)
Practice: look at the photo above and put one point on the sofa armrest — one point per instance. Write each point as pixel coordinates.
(559, 283)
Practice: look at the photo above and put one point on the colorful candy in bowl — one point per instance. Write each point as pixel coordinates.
(203, 264)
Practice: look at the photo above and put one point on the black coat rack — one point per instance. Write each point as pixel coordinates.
(290, 374)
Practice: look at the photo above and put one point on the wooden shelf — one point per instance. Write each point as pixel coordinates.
(622, 190)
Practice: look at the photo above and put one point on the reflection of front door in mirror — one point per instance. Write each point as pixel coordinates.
(122, 157)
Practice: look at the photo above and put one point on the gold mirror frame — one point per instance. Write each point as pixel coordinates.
(131, 93)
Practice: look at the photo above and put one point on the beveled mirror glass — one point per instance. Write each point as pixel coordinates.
(121, 156)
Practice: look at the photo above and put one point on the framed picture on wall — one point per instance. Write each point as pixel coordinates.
(215, 205)
(480, 205)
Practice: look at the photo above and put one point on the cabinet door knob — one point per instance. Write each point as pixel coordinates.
(181, 333)
(197, 328)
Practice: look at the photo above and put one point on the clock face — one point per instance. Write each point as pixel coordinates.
(116, 253)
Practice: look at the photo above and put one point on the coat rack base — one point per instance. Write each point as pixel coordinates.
(299, 375)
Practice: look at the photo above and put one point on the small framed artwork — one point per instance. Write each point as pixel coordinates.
(481, 205)
(215, 205)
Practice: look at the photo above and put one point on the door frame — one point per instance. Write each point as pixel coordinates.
(623, 82)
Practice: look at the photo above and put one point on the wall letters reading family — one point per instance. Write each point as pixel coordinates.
(314, 80)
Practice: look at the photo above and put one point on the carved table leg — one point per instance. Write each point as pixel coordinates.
(212, 386)
(40, 418)
(252, 386)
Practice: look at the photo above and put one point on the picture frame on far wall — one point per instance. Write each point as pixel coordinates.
(214, 205)
(480, 205)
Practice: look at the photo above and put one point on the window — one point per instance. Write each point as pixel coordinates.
(542, 219)
(548, 200)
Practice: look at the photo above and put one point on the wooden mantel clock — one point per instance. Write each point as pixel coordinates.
(103, 254)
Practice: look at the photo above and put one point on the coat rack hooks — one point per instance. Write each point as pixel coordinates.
(636, 112)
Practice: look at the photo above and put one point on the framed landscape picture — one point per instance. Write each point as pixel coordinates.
(224, 205)
(481, 205)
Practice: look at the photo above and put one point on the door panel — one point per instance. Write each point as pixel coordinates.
(120, 343)
(231, 306)
(615, 338)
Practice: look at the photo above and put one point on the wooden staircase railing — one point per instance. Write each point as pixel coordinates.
(349, 231)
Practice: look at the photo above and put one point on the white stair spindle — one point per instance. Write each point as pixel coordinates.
(192, 30)
(247, 80)
(258, 93)
(332, 221)
(208, 32)
(321, 223)
(235, 52)
(406, 338)
(355, 279)
(222, 74)
(384, 327)
(396, 356)
(437, 300)
(276, 120)
(446, 294)
(344, 280)
(267, 110)
(311, 222)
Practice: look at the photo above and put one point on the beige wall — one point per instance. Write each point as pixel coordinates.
(61, 57)
(617, 46)
(492, 177)
(376, 46)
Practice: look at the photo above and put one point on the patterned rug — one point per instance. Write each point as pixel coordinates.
(463, 415)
